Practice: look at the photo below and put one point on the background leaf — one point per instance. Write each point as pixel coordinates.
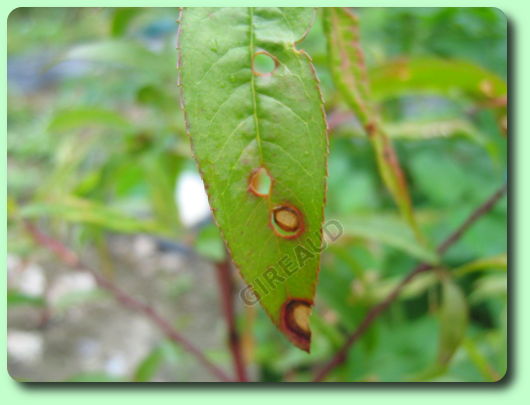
(149, 365)
(78, 210)
(453, 320)
(388, 230)
(72, 119)
(433, 75)
(346, 61)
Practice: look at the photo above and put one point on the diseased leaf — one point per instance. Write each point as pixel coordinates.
(259, 137)
(346, 61)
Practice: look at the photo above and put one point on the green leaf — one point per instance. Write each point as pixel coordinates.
(499, 262)
(417, 286)
(161, 183)
(346, 61)
(68, 120)
(122, 18)
(439, 76)
(77, 210)
(390, 231)
(422, 130)
(260, 141)
(453, 320)
(494, 285)
(17, 298)
(419, 130)
(149, 365)
(480, 361)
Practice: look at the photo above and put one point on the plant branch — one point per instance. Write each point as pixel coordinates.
(226, 287)
(71, 259)
(375, 311)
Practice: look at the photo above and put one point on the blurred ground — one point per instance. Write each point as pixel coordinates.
(89, 331)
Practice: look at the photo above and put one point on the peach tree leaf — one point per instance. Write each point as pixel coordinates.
(255, 118)
(435, 76)
(453, 320)
(390, 231)
(498, 263)
(450, 78)
(346, 61)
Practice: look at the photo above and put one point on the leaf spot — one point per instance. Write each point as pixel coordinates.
(260, 182)
(295, 321)
(287, 221)
(264, 64)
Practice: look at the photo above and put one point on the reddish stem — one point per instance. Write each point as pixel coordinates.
(375, 311)
(226, 287)
(71, 259)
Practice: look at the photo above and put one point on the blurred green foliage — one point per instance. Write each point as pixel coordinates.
(96, 143)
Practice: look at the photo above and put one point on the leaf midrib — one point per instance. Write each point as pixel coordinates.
(253, 83)
(256, 119)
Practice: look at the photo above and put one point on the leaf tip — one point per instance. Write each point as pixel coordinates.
(295, 322)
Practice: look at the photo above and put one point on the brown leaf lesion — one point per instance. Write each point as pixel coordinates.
(260, 182)
(294, 321)
(287, 221)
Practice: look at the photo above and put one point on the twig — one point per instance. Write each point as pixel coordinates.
(473, 217)
(375, 311)
(72, 260)
(226, 287)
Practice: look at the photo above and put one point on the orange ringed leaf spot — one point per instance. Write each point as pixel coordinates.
(264, 64)
(295, 321)
(260, 182)
(287, 221)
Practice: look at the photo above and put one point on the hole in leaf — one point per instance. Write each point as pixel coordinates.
(263, 63)
(295, 321)
(260, 182)
(287, 221)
